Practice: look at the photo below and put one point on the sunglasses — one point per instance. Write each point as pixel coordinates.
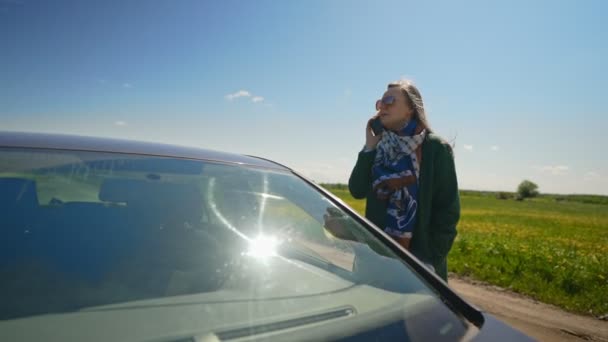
(385, 101)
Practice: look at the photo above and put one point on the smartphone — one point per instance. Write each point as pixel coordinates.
(376, 126)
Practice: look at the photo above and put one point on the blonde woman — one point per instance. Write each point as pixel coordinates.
(407, 175)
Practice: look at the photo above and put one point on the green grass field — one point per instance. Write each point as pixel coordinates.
(552, 248)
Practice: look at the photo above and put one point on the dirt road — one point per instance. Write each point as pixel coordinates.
(540, 321)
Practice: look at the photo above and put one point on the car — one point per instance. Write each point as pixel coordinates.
(115, 240)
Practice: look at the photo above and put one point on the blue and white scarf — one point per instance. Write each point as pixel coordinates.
(396, 159)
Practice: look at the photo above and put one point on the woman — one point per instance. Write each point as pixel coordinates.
(408, 176)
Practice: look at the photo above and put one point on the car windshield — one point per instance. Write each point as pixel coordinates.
(91, 232)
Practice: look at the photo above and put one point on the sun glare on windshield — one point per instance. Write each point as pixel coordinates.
(263, 247)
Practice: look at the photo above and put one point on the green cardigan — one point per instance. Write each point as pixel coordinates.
(438, 201)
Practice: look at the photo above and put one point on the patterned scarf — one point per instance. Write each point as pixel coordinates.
(396, 160)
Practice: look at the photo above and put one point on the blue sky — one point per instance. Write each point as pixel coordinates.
(518, 86)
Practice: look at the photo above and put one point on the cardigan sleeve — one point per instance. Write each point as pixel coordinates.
(445, 208)
(360, 179)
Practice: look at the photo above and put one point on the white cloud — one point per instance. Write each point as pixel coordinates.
(494, 148)
(240, 93)
(120, 123)
(556, 170)
(468, 147)
(257, 99)
(127, 85)
(591, 175)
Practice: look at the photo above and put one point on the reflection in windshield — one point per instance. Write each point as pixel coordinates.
(214, 207)
(150, 228)
(263, 247)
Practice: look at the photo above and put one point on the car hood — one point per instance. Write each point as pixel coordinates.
(495, 330)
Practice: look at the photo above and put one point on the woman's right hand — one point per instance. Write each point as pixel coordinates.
(371, 140)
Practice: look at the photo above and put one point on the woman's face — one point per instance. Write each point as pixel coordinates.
(394, 116)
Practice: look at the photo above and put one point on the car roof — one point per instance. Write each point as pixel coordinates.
(95, 144)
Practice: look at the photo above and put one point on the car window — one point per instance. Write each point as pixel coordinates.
(262, 205)
(83, 230)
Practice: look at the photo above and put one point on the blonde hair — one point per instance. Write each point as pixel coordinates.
(412, 95)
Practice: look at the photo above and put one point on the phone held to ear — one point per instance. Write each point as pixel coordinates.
(376, 126)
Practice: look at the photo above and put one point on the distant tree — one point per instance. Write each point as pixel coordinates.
(527, 189)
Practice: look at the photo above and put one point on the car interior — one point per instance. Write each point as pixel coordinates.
(127, 246)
